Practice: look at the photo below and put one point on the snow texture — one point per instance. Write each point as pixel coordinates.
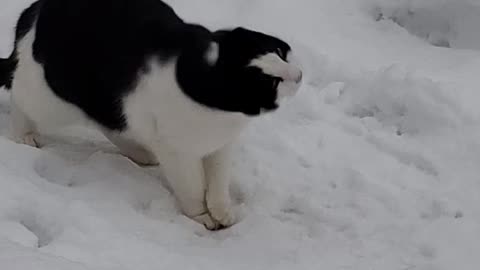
(373, 166)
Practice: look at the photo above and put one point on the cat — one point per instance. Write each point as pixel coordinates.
(162, 90)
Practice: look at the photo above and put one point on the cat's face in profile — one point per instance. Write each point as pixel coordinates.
(254, 70)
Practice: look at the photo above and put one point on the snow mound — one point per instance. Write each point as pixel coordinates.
(451, 24)
(401, 102)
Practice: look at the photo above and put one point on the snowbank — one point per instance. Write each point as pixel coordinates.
(442, 23)
(373, 166)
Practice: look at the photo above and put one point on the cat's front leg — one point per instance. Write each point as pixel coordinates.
(186, 176)
(218, 181)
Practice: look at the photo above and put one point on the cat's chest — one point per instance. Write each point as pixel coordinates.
(198, 132)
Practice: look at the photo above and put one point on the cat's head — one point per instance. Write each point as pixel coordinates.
(250, 72)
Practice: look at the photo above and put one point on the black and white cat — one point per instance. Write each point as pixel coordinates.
(162, 90)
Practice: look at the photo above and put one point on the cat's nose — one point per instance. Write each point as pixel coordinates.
(299, 77)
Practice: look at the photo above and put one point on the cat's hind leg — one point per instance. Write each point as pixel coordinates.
(22, 128)
(131, 149)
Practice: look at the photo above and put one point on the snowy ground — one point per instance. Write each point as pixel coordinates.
(374, 166)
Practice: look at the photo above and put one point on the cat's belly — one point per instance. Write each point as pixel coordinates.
(159, 113)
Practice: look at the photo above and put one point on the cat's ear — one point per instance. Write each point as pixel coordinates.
(222, 34)
(212, 53)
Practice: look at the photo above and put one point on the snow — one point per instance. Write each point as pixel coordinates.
(374, 165)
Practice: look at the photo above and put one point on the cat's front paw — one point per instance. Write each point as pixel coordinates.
(207, 221)
(222, 212)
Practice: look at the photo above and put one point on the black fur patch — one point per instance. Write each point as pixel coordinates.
(24, 24)
(7, 66)
(93, 52)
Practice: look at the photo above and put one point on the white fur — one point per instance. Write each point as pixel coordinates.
(213, 53)
(187, 139)
(290, 73)
(272, 64)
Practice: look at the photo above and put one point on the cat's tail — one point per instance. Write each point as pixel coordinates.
(7, 67)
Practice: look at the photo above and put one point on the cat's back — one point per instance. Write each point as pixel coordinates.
(93, 51)
(112, 30)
